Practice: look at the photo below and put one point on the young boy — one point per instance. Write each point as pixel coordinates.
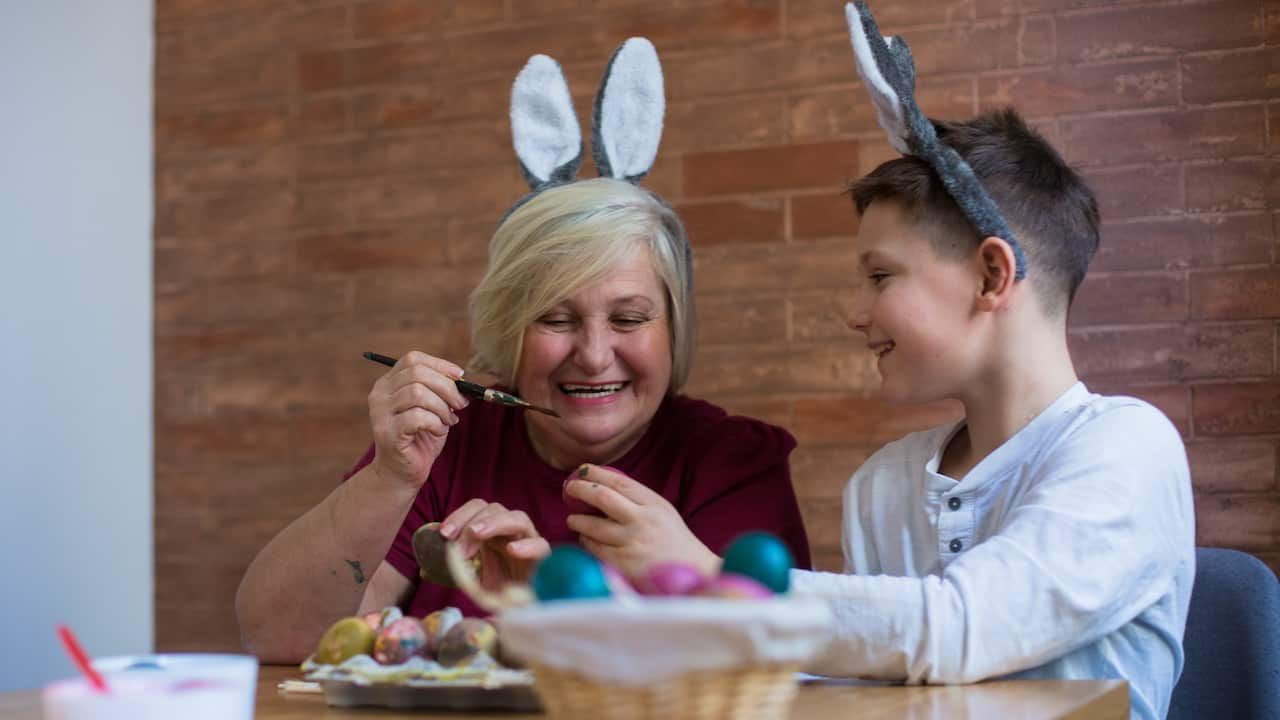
(1049, 533)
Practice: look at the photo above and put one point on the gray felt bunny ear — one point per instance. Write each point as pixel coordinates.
(544, 127)
(889, 74)
(626, 123)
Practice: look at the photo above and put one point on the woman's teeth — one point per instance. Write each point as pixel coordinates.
(591, 391)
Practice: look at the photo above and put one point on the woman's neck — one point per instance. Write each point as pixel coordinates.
(567, 455)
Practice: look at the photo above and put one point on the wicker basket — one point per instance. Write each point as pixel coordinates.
(666, 659)
(752, 693)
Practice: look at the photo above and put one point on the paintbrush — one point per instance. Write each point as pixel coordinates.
(476, 390)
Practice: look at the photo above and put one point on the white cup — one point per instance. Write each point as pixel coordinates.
(192, 686)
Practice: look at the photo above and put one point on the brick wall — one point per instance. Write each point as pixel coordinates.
(327, 173)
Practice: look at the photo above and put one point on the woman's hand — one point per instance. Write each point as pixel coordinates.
(508, 544)
(411, 409)
(642, 529)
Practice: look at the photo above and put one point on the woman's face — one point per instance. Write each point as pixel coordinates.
(602, 359)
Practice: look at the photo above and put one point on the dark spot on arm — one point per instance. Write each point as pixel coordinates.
(357, 571)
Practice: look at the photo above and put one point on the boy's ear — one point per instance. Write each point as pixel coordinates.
(999, 267)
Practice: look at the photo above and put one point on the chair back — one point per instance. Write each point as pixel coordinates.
(1232, 641)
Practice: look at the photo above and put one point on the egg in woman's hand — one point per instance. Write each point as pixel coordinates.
(573, 505)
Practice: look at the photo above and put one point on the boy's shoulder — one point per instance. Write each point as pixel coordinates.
(1077, 420)
(1117, 420)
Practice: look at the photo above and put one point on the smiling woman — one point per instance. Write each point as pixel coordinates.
(585, 308)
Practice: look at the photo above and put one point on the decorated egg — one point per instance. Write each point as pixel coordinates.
(436, 624)
(569, 572)
(762, 556)
(465, 640)
(385, 616)
(671, 579)
(346, 638)
(729, 586)
(399, 641)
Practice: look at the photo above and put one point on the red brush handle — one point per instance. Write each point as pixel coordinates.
(81, 659)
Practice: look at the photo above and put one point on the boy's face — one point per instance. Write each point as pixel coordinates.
(915, 308)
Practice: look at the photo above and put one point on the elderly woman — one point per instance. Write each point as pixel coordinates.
(585, 308)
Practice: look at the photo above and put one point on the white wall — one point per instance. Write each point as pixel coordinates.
(75, 332)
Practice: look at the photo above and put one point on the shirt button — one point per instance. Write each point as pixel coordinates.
(956, 545)
(954, 503)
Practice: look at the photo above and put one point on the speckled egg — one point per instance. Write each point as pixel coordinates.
(467, 639)
(399, 641)
(378, 618)
(436, 624)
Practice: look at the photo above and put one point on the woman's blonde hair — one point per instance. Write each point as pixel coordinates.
(564, 239)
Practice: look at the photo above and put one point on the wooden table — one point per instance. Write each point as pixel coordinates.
(1023, 699)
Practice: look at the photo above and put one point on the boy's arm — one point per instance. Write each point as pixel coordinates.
(1096, 540)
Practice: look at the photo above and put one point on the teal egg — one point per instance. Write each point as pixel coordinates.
(760, 556)
(569, 573)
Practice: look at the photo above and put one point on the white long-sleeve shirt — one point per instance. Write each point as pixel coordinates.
(1069, 552)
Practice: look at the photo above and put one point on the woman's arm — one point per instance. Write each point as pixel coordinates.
(329, 562)
(324, 565)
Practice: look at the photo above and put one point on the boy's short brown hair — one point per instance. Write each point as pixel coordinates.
(1048, 207)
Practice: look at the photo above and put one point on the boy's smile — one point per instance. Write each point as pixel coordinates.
(914, 307)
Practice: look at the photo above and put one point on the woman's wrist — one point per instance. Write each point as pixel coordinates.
(389, 480)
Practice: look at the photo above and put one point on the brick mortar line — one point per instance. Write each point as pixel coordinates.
(1180, 325)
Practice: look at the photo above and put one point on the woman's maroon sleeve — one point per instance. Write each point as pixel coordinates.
(742, 483)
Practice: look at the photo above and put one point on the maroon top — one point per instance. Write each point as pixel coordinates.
(725, 474)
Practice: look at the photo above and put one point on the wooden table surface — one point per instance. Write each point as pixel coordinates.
(1023, 699)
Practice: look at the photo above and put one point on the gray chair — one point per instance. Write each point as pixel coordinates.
(1232, 642)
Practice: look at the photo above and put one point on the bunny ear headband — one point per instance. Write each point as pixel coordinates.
(889, 74)
(626, 123)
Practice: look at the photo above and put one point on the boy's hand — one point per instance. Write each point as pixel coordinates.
(642, 529)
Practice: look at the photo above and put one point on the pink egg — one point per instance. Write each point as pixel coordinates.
(671, 579)
(574, 506)
(729, 586)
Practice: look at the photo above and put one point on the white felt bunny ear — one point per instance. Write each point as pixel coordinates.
(626, 123)
(544, 127)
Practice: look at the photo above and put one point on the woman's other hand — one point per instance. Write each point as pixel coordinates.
(508, 544)
(411, 409)
(642, 529)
